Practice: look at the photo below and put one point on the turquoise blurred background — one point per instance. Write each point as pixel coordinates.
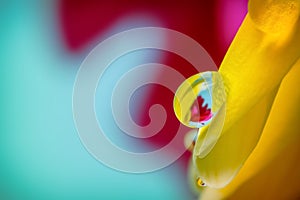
(40, 151)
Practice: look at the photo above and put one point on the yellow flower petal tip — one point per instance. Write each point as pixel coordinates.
(275, 16)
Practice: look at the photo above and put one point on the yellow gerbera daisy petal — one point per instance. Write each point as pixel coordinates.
(274, 163)
(253, 67)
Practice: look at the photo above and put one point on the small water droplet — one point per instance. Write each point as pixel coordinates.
(199, 98)
(190, 139)
(200, 182)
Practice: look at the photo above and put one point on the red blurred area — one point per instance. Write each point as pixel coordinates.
(82, 21)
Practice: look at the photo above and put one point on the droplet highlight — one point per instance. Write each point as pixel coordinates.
(199, 98)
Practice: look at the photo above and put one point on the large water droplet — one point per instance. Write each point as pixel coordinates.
(199, 98)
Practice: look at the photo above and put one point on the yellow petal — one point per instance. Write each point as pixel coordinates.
(277, 153)
(254, 65)
(279, 180)
(252, 69)
(228, 154)
(274, 17)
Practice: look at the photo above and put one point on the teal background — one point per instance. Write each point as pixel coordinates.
(41, 156)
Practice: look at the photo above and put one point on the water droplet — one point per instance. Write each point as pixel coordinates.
(200, 182)
(199, 98)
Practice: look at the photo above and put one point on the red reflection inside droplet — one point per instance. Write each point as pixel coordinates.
(200, 112)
